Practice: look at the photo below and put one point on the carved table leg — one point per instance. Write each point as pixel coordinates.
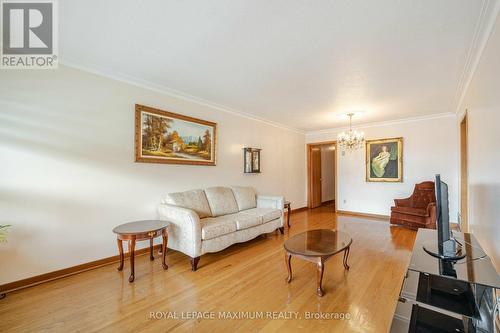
(319, 274)
(120, 249)
(346, 256)
(151, 257)
(164, 236)
(131, 250)
(288, 259)
(289, 210)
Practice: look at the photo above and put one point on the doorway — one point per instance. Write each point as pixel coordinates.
(464, 181)
(321, 174)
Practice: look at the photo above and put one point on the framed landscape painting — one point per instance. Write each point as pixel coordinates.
(166, 137)
(384, 160)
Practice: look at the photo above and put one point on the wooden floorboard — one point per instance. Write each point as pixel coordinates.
(247, 278)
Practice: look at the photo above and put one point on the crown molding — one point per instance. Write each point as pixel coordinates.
(172, 93)
(335, 130)
(482, 32)
(200, 101)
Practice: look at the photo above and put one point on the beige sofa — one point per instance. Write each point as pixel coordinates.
(210, 220)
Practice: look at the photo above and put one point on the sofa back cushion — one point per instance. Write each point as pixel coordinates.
(195, 200)
(221, 201)
(245, 197)
(423, 194)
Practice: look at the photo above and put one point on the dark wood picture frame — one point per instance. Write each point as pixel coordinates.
(250, 157)
(140, 157)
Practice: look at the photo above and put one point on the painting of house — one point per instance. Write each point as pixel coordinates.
(166, 137)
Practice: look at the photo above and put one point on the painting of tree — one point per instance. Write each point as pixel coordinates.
(207, 141)
(165, 137)
(154, 129)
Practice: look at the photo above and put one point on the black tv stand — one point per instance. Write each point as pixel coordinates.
(443, 295)
(450, 250)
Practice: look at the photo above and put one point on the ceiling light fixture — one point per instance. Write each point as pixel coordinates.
(351, 140)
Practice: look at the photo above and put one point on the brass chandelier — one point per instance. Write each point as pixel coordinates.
(349, 141)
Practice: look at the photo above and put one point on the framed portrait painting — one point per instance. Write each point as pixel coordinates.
(384, 160)
(166, 137)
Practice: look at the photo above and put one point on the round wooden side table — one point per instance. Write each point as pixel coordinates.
(137, 231)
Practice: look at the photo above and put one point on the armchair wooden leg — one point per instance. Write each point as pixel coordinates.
(194, 263)
(282, 230)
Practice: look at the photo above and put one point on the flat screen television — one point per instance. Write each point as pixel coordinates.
(447, 247)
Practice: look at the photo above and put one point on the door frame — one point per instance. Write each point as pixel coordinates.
(309, 175)
(464, 173)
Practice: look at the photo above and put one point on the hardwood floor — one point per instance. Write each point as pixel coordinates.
(245, 277)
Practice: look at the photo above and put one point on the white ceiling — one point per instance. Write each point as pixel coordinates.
(294, 62)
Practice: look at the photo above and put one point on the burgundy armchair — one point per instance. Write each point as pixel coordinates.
(417, 211)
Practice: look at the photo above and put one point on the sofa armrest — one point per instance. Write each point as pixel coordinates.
(407, 202)
(185, 229)
(267, 201)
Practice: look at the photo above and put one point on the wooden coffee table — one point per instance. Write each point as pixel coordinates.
(137, 231)
(317, 246)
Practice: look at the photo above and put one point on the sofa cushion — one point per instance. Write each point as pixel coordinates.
(267, 214)
(221, 201)
(245, 221)
(194, 200)
(245, 197)
(410, 211)
(213, 227)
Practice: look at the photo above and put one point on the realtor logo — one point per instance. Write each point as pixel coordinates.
(29, 34)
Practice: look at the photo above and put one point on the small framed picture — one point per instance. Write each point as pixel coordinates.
(251, 160)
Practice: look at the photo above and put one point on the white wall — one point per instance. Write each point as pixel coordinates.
(327, 172)
(429, 147)
(483, 103)
(67, 171)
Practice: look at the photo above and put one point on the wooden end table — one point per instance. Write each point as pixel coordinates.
(137, 231)
(317, 246)
(288, 208)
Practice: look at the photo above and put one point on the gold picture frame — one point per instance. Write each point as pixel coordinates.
(171, 138)
(384, 160)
